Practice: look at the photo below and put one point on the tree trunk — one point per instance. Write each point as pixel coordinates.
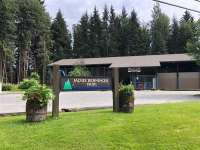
(1, 69)
(22, 65)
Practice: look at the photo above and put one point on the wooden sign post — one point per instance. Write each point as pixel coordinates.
(115, 77)
(56, 89)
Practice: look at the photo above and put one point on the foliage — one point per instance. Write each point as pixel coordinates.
(7, 36)
(174, 38)
(126, 89)
(81, 37)
(80, 71)
(193, 46)
(61, 38)
(35, 75)
(29, 40)
(159, 31)
(159, 127)
(95, 36)
(40, 93)
(10, 87)
(27, 83)
(32, 37)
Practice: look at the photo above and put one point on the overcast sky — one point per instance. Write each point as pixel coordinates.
(73, 9)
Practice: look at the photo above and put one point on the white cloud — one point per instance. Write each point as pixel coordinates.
(73, 9)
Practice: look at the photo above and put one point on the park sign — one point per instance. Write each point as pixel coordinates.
(85, 84)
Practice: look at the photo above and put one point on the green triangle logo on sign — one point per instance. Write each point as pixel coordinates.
(67, 85)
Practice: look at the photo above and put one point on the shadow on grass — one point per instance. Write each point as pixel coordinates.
(24, 122)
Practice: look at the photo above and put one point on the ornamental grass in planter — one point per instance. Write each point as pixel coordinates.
(126, 98)
(37, 97)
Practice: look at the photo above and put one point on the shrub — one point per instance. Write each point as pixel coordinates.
(35, 75)
(39, 93)
(126, 89)
(126, 98)
(10, 87)
(6, 87)
(27, 83)
(79, 71)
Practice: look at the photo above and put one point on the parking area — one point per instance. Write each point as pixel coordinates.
(11, 103)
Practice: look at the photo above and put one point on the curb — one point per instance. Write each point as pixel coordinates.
(63, 110)
(12, 114)
(83, 109)
(6, 93)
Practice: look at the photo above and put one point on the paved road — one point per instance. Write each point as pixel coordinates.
(10, 103)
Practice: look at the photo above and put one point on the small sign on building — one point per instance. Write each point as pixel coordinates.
(134, 69)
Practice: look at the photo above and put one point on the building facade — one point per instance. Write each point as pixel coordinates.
(165, 72)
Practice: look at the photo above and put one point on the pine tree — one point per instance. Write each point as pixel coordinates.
(193, 46)
(7, 36)
(81, 38)
(61, 38)
(144, 41)
(123, 33)
(41, 44)
(187, 17)
(95, 36)
(105, 32)
(174, 43)
(32, 29)
(186, 30)
(159, 31)
(114, 36)
(26, 15)
(134, 35)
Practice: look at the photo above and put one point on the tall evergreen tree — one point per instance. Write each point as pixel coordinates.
(134, 35)
(144, 41)
(105, 31)
(41, 44)
(123, 33)
(32, 23)
(61, 38)
(187, 17)
(174, 43)
(114, 35)
(193, 46)
(26, 21)
(95, 36)
(159, 31)
(7, 32)
(186, 30)
(81, 37)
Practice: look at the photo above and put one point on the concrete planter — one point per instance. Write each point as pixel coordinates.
(35, 112)
(126, 102)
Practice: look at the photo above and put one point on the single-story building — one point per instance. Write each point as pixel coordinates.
(165, 72)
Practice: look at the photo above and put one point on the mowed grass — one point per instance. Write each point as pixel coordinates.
(152, 127)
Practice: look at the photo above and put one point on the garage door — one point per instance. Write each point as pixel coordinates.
(167, 81)
(189, 80)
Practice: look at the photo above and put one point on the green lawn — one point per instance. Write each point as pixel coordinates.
(153, 127)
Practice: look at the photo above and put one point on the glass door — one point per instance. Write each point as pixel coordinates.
(143, 82)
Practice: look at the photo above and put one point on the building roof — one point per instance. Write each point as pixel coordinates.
(127, 61)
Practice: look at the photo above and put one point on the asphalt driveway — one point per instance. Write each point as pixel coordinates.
(11, 103)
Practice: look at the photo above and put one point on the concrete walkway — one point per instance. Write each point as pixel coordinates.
(12, 103)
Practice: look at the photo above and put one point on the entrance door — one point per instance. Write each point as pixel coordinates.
(143, 82)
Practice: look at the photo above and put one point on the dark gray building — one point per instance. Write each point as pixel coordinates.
(166, 72)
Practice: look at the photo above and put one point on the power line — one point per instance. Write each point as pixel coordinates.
(197, 0)
(166, 3)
